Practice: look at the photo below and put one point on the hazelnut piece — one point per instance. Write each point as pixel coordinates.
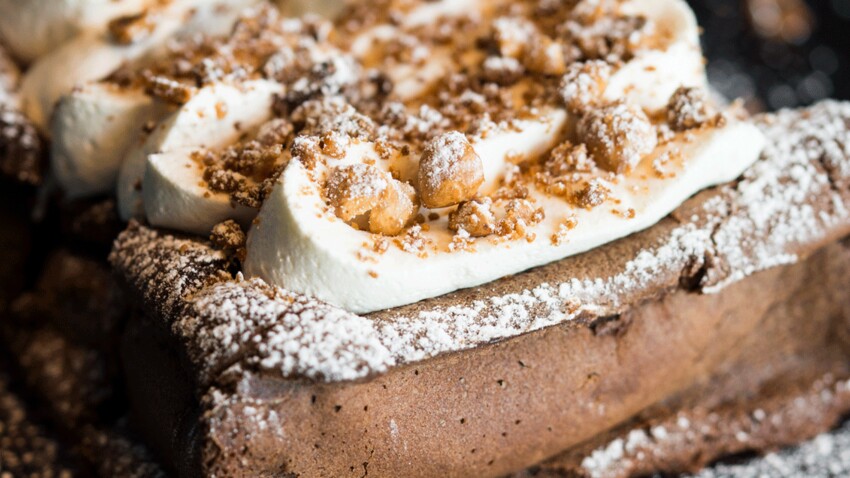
(584, 83)
(355, 189)
(688, 108)
(360, 189)
(618, 136)
(396, 209)
(450, 171)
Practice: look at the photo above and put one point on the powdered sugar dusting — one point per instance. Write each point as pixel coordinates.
(826, 456)
(775, 197)
(782, 207)
(284, 332)
(165, 270)
(726, 431)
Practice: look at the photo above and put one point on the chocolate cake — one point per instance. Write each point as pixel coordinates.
(419, 238)
(738, 295)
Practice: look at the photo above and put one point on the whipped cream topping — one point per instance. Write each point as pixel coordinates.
(32, 28)
(92, 129)
(409, 148)
(97, 53)
(353, 271)
(300, 242)
(173, 192)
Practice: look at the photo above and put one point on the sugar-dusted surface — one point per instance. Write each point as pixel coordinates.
(826, 456)
(765, 423)
(784, 207)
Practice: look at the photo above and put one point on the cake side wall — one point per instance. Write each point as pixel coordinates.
(503, 407)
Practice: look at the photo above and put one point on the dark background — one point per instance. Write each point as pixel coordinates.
(777, 53)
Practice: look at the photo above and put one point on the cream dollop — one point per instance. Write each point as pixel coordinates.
(33, 28)
(93, 54)
(216, 117)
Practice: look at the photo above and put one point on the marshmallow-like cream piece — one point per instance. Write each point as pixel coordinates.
(32, 28)
(298, 244)
(94, 55)
(216, 117)
(93, 125)
(175, 196)
(92, 130)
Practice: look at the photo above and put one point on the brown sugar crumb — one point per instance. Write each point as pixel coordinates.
(618, 136)
(567, 158)
(474, 217)
(380, 245)
(229, 237)
(661, 164)
(560, 236)
(624, 213)
(584, 83)
(503, 71)
(248, 170)
(333, 144)
(168, 90)
(277, 131)
(462, 241)
(594, 193)
(252, 159)
(599, 32)
(223, 180)
(307, 150)
(220, 110)
(688, 108)
(520, 214)
(544, 56)
(413, 241)
(520, 39)
(130, 29)
(450, 171)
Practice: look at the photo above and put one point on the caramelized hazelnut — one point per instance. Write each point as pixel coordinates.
(688, 108)
(584, 83)
(618, 136)
(356, 189)
(397, 208)
(361, 189)
(450, 171)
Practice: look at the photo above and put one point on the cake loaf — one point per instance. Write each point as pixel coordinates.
(740, 292)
